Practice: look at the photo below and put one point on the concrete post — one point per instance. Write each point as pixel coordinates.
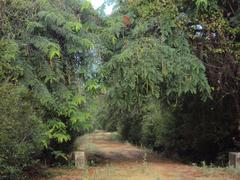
(79, 159)
(234, 159)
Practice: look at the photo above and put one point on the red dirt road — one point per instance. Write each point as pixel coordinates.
(123, 161)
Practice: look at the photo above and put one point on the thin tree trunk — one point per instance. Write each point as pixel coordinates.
(236, 99)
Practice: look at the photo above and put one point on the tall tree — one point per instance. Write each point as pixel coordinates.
(45, 48)
(148, 61)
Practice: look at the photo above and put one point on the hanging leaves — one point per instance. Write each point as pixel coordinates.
(201, 3)
(54, 52)
(150, 62)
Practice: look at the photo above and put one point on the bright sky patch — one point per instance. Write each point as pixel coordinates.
(97, 3)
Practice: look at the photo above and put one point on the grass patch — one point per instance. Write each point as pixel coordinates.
(115, 136)
(211, 170)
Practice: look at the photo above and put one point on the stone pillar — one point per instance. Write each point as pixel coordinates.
(234, 159)
(79, 159)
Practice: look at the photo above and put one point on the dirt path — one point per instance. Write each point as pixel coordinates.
(124, 161)
(104, 145)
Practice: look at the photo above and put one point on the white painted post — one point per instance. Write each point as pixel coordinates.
(79, 159)
(234, 159)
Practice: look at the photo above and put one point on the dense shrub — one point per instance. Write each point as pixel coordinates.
(45, 47)
(21, 131)
(157, 127)
(205, 131)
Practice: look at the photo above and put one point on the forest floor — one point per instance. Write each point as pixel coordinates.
(111, 159)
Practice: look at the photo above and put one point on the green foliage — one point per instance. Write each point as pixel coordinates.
(57, 131)
(157, 126)
(160, 57)
(86, 5)
(44, 47)
(21, 131)
(200, 3)
(9, 66)
(151, 64)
